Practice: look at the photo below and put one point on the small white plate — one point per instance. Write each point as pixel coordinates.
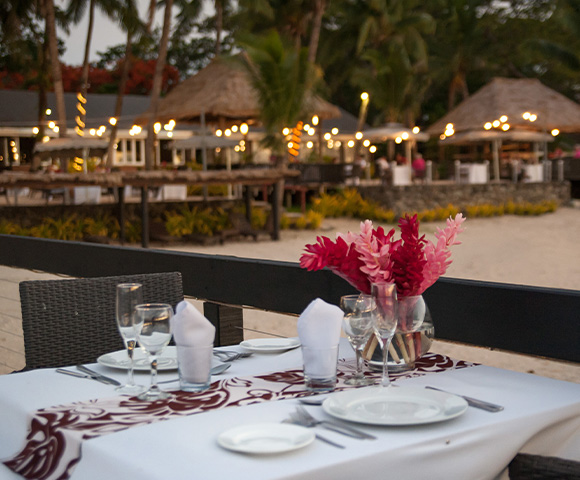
(266, 438)
(270, 345)
(167, 360)
(394, 406)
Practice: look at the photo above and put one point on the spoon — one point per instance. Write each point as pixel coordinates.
(217, 370)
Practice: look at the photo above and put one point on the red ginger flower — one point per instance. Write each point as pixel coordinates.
(372, 256)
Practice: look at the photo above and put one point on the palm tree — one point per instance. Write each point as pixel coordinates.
(50, 22)
(130, 20)
(282, 77)
(76, 10)
(156, 89)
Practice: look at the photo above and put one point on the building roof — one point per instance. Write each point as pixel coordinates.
(20, 108)
(513, 97)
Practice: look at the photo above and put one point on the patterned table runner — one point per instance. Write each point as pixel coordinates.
(53, 444)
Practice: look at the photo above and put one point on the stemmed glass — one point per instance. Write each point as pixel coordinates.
(385, 320)
(152, 321)
(358, 327)
(129, 295)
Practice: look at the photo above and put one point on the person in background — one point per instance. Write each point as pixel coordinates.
(384, 170)
(418, 166)
(577, 150)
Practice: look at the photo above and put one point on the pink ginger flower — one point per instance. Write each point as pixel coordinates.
(437, 256)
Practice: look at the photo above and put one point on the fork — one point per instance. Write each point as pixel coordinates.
(227, 356)
(307, 420)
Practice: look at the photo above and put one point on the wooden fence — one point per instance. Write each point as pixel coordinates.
(529, 320)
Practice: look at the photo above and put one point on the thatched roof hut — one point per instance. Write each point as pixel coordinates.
(513, 97)
(223, 93)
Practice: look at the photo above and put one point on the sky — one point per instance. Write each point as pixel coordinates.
(105, 34)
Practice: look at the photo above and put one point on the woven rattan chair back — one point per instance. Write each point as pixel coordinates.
(67, 322)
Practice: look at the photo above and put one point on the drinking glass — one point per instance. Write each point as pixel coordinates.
(152, 321)
(358, 327)
(129, 295)
(385, 320)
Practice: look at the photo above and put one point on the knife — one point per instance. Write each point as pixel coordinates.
(76, 374)
(97, 376)
(474, 402)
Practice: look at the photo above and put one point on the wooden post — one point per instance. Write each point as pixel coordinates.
(228, 321)
(121, 212)
(276, 210)
(144, 217)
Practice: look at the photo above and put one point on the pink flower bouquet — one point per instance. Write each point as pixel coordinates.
(372, 256)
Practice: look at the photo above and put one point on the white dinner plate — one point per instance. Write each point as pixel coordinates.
(266, 438)
(167, 360)
(394, 406)
(270, 345)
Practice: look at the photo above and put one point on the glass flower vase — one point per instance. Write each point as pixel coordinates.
(412, 339)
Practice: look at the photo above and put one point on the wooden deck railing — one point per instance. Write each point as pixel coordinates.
(529, 320)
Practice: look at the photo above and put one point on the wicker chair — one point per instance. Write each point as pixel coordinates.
(536, 467)
(67, 322)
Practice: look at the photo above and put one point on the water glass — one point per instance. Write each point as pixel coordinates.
(194, 367)
(320, 368)
(153, 323)
(385, 320)
(358, 327)
(128, 296)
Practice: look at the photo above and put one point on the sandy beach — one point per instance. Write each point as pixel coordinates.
(539, 251)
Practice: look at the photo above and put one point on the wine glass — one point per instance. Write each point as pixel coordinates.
(385, 320)
(152, 321)
(129, 295)
(358, 327)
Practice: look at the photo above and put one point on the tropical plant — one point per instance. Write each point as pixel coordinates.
(282, 78)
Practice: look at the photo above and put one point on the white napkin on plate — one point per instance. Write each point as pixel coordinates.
(319, 324)
(191, 329)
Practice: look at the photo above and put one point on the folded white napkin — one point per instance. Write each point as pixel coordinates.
(190, 327)
(319, 324)
(193, 334)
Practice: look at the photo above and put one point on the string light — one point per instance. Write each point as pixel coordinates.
(244, 128)
(350, 143)
(334, 131)
(157, 127)
(555, 132)
(416, 130)
(218, 133)
(373, 149)
(315, 120)
(113, 121)
(405, 136)
(358, 135)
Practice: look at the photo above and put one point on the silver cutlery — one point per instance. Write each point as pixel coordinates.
(307, 420)
(72, 373)
(474, 402)
(318, 437)
(98, 376)
(228, 356)
(217, 370)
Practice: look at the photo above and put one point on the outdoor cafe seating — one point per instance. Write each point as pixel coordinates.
(60, 426)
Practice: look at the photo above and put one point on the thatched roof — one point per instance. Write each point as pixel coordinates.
(513, 97)
(220, 90)
(72, 146)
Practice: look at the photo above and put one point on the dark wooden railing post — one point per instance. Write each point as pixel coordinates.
(228, 321)
(121, 212)
(144, 217)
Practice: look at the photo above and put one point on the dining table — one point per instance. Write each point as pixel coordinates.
(60, 426)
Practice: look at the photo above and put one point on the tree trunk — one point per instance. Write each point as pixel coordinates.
(156, 89)
(150, 16)
(119, 104)
(85, 72)
(320, 6)
(56, 69)
(219, 19)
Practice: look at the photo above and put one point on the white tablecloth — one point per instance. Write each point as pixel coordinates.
(541, 416)
(87, 195)
(172, 192)
(533, 173)
(402, 175)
